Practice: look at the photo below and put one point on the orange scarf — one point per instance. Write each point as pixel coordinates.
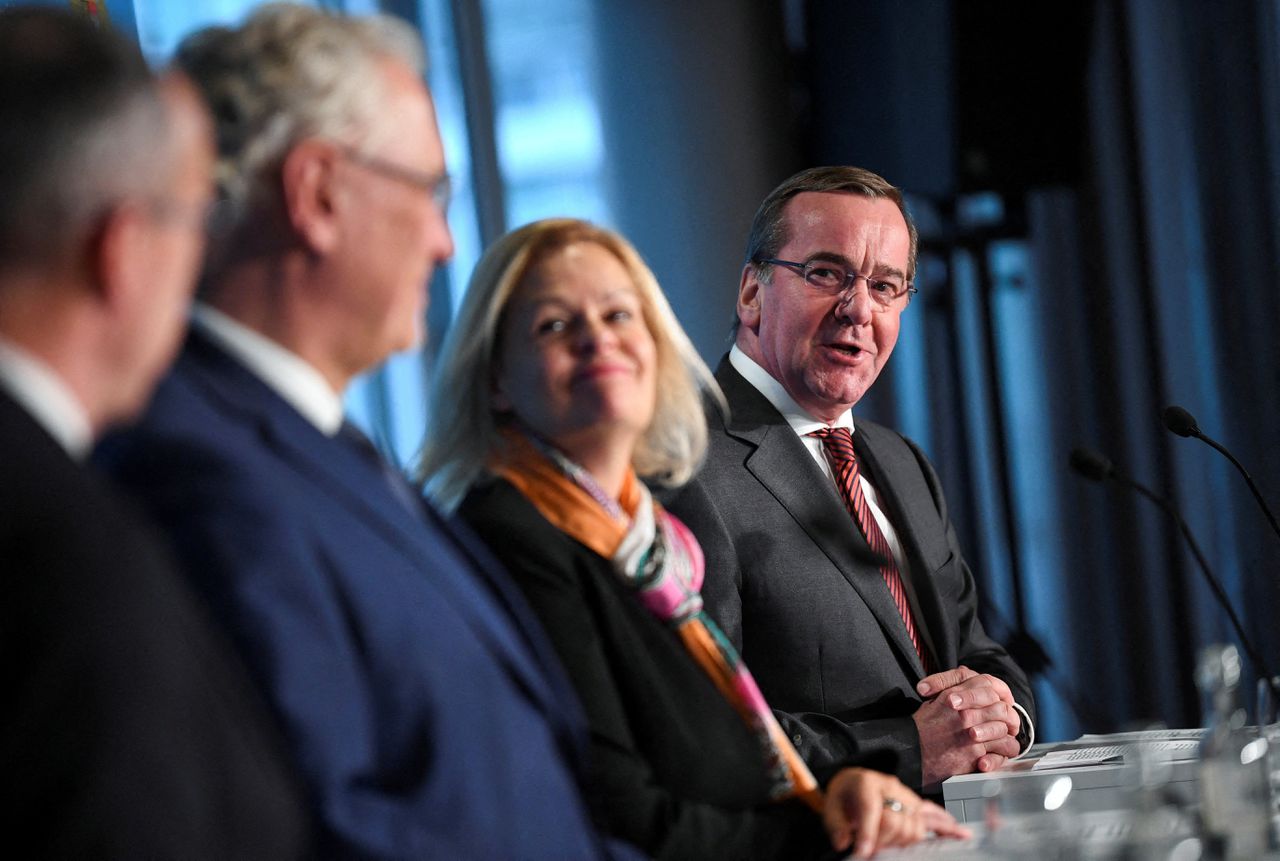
(574, 511)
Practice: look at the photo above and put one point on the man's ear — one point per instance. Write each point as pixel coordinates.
(308, 180)
(118, 256)
(749, 298)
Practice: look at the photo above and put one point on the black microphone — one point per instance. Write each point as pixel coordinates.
(1095, 467)
(1181, 422)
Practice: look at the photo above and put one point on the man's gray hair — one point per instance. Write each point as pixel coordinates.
(289, 73)
(83, 127)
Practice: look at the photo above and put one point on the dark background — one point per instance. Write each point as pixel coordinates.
(1096, 185)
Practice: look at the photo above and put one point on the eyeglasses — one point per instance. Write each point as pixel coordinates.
(437, 186)
(832, 279)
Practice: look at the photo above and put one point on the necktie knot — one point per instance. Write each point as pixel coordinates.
(838, 442)
(395, 481)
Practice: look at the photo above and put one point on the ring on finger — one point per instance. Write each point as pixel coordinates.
(893, 805)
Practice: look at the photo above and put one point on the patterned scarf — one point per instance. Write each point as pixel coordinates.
(658, 557)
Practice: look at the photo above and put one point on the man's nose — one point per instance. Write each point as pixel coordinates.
(439, 237)
(854, 304)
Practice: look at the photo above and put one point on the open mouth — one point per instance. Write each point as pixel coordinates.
(846, 349)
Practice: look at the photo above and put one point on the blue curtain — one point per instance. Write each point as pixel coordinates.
(1074, 316)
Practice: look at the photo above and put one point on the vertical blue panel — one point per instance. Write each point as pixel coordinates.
(1034, 468)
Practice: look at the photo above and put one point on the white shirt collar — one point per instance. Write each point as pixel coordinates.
(42, 393)
(801, 422)
(285, 372)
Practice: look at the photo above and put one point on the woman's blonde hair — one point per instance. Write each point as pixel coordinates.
(463, 426)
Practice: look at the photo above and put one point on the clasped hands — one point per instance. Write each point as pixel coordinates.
(967, 723)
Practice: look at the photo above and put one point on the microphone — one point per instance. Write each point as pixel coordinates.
(1095, 467)
(1181, 422)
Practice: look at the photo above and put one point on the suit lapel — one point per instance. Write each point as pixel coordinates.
(552, 687)
(782, 465)
(341, 472)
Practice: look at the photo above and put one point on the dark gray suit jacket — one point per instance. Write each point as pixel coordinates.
(793, 582)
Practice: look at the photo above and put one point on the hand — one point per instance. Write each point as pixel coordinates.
(968, 724)
(880, 812)
(973, 690)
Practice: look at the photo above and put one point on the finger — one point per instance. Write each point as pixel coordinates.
(942, 823)
(985, 680)
(905, 825)
(1002, 689)
(868, 830)
(910, 831)
(988, 731)
(992, 690)
(1007, 747)
(853, 796)
(970, 696)
(1014, 719)
(930, 685)
(997, 712)
(994, 712)
(991, 761)
(897, 826)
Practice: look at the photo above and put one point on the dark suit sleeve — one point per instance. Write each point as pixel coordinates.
(132, 733)
(975, 649)
(631, 705)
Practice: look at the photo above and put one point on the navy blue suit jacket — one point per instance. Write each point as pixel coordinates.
(426, 711)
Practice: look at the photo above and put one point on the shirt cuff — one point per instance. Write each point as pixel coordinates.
(1027, 736)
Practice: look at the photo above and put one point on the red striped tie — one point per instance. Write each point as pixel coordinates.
(838, 444)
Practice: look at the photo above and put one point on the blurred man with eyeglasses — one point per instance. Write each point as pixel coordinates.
(423, 705)
(130, 728)
(831, 561)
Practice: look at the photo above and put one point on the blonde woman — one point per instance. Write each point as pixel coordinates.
(564, 382)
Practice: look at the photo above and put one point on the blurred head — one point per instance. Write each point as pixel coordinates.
(104, 188)
(826, 349)
(80, 115)
(565, 331)
(178, 220)
(328, 146)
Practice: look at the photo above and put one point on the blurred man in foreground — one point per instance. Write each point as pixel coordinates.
(130, 730)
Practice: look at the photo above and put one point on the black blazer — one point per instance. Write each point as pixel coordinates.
(129, 730)
(673, 767)
(793, 582)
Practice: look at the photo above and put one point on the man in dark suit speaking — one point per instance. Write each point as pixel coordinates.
(424, 706)
(831, 561)
(129, 728)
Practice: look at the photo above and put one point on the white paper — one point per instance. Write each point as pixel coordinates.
(1171, 749)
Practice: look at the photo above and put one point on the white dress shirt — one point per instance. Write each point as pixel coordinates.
(283, 371)
(50, 402)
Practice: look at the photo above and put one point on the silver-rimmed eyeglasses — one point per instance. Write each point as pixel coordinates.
(834, 279)
(437, 186)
